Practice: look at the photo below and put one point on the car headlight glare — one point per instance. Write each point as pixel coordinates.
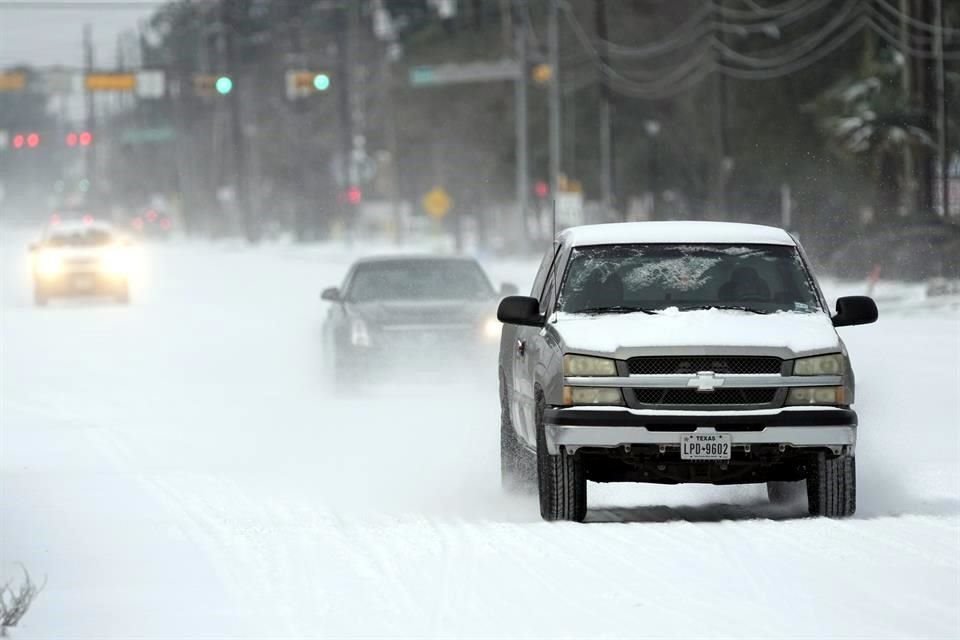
(49, 264)
(574, 365)
(491, 329)
(815, 395)
(828, 365)
(359, 334)
(115, 262)
(592, 395)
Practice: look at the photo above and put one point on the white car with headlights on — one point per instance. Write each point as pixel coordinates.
(82, 258)
(413, 311)
(676, 352)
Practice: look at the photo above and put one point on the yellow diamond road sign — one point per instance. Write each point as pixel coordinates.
(437, 202)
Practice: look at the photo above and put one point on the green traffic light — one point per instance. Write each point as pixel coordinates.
(224, 85)
(321, 82)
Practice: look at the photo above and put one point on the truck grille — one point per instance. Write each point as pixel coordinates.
(745, 396)
(665, 365)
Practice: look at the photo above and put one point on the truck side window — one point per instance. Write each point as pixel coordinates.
(544, 270)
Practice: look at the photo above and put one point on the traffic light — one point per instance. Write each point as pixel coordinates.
(224, 85)
(81, 138)
(542, 189)
(301, 84)
(30, 140)
(354, 195)
(321, 82)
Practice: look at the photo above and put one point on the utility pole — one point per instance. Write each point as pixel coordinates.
(553, 27)
(520, 31)
(942, 153)
(89, 156)
(908, 199)
(721, 163)
(237, 134)
(606, 115)
(344, 104)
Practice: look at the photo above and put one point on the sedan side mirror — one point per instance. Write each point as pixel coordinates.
(853, 310)
(508, 289)
(520, 310)
(331, 294)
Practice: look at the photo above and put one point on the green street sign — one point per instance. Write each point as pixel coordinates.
(155, 134)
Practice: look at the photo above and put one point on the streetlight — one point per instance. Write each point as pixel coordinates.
(652, 127)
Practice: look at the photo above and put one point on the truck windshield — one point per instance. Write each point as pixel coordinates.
(653, 277)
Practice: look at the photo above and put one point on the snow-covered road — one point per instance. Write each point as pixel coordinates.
(178, 468)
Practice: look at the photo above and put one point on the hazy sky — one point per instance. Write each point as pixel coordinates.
(47, 32)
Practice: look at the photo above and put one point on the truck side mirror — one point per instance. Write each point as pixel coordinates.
(853, 310)
(520, 310)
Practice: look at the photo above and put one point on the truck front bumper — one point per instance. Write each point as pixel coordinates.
(610, 427)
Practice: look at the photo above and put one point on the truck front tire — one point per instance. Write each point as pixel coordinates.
(561, 480)
(832, 486)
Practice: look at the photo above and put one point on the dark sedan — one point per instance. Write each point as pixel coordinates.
(421, 310)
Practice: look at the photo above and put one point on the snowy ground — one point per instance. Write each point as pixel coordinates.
(179, 469)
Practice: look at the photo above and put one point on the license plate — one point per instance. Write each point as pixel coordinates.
(705, 446)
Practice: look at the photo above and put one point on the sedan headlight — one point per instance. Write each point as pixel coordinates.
(359, 334)
(815, 395)
(592, 395)
(49, 264)
(574, 365)
(829, 365)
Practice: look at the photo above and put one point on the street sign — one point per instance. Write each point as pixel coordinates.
(110, 82)
(437, 203)
(13, 81)
(444, 74)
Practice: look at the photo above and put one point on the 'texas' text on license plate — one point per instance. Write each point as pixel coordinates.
(705, 446)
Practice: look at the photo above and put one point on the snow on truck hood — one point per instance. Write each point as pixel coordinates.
(610, 333)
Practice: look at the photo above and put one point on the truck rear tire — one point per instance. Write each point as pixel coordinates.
(561, 480)
(832, 486)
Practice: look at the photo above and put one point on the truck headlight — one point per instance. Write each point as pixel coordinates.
(592, 395)
(829, 365)
(359, 334)
(815, 395)
(574, 365)
(49, 264)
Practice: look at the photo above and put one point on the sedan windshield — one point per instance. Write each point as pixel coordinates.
(651, 277)
(419, 280)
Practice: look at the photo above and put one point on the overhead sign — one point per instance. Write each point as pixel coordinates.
(150, 84)
(110, 82)
(13, 81)
(443, 74)
(437, 203)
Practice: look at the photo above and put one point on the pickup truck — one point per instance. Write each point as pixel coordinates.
(678, 352)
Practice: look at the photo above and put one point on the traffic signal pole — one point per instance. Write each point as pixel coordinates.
(553, 27)
(520, 27)
(89, 154)
(238, 141)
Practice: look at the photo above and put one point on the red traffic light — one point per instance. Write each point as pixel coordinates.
(542, 189)
(19, 140)
(85, 138)
(33, 139)
(354, 195)
(72, 139)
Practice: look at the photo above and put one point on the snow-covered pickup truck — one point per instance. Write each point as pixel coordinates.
(675, 352)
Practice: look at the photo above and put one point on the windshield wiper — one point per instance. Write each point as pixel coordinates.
(615, 309)
(727, 307)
